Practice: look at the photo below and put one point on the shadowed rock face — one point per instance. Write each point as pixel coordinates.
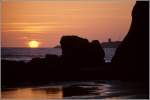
(73, 45)
(133, 53)
(97, 52)
(79, 51)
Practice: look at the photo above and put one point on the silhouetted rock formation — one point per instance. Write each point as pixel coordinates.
(132, 56)
(38, 70)
(13, 72)
(109, 44)
(82, 60)
(97, 53)
(80, 52)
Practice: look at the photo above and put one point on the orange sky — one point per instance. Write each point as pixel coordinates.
(47, 21)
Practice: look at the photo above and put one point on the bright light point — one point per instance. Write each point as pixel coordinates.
(33, 44)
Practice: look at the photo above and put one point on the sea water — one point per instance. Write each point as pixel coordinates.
(26, 54)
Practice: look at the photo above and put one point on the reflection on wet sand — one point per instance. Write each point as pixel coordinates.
(80, 90)
(30, 93)
(84, 91)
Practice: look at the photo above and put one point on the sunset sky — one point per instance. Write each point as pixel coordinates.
(47, 21)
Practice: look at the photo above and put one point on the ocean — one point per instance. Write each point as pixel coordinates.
(26, 54)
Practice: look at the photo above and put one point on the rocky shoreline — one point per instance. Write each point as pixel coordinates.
(84, 60)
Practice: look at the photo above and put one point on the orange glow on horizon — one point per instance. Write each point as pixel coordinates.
(48, 21)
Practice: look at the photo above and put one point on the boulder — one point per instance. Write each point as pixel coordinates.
(97, 53)
(77, 51)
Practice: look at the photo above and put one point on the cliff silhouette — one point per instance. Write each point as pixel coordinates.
(132, 56)
(84, 60)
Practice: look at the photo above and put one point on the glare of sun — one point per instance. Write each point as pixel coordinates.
(33, 44)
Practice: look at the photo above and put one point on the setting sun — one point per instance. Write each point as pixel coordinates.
(49, 20)
(33, 44)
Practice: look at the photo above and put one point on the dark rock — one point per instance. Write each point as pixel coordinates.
(132, 56)
(80, 52)
(97, 52)
(51, 58)
(73, 44)
(74, 51)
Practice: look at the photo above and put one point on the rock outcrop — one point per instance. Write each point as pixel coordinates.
(132, 56)
(80, 52)
(97, 53)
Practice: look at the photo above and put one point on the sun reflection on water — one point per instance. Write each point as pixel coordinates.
(30, 93)
(82, 90)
